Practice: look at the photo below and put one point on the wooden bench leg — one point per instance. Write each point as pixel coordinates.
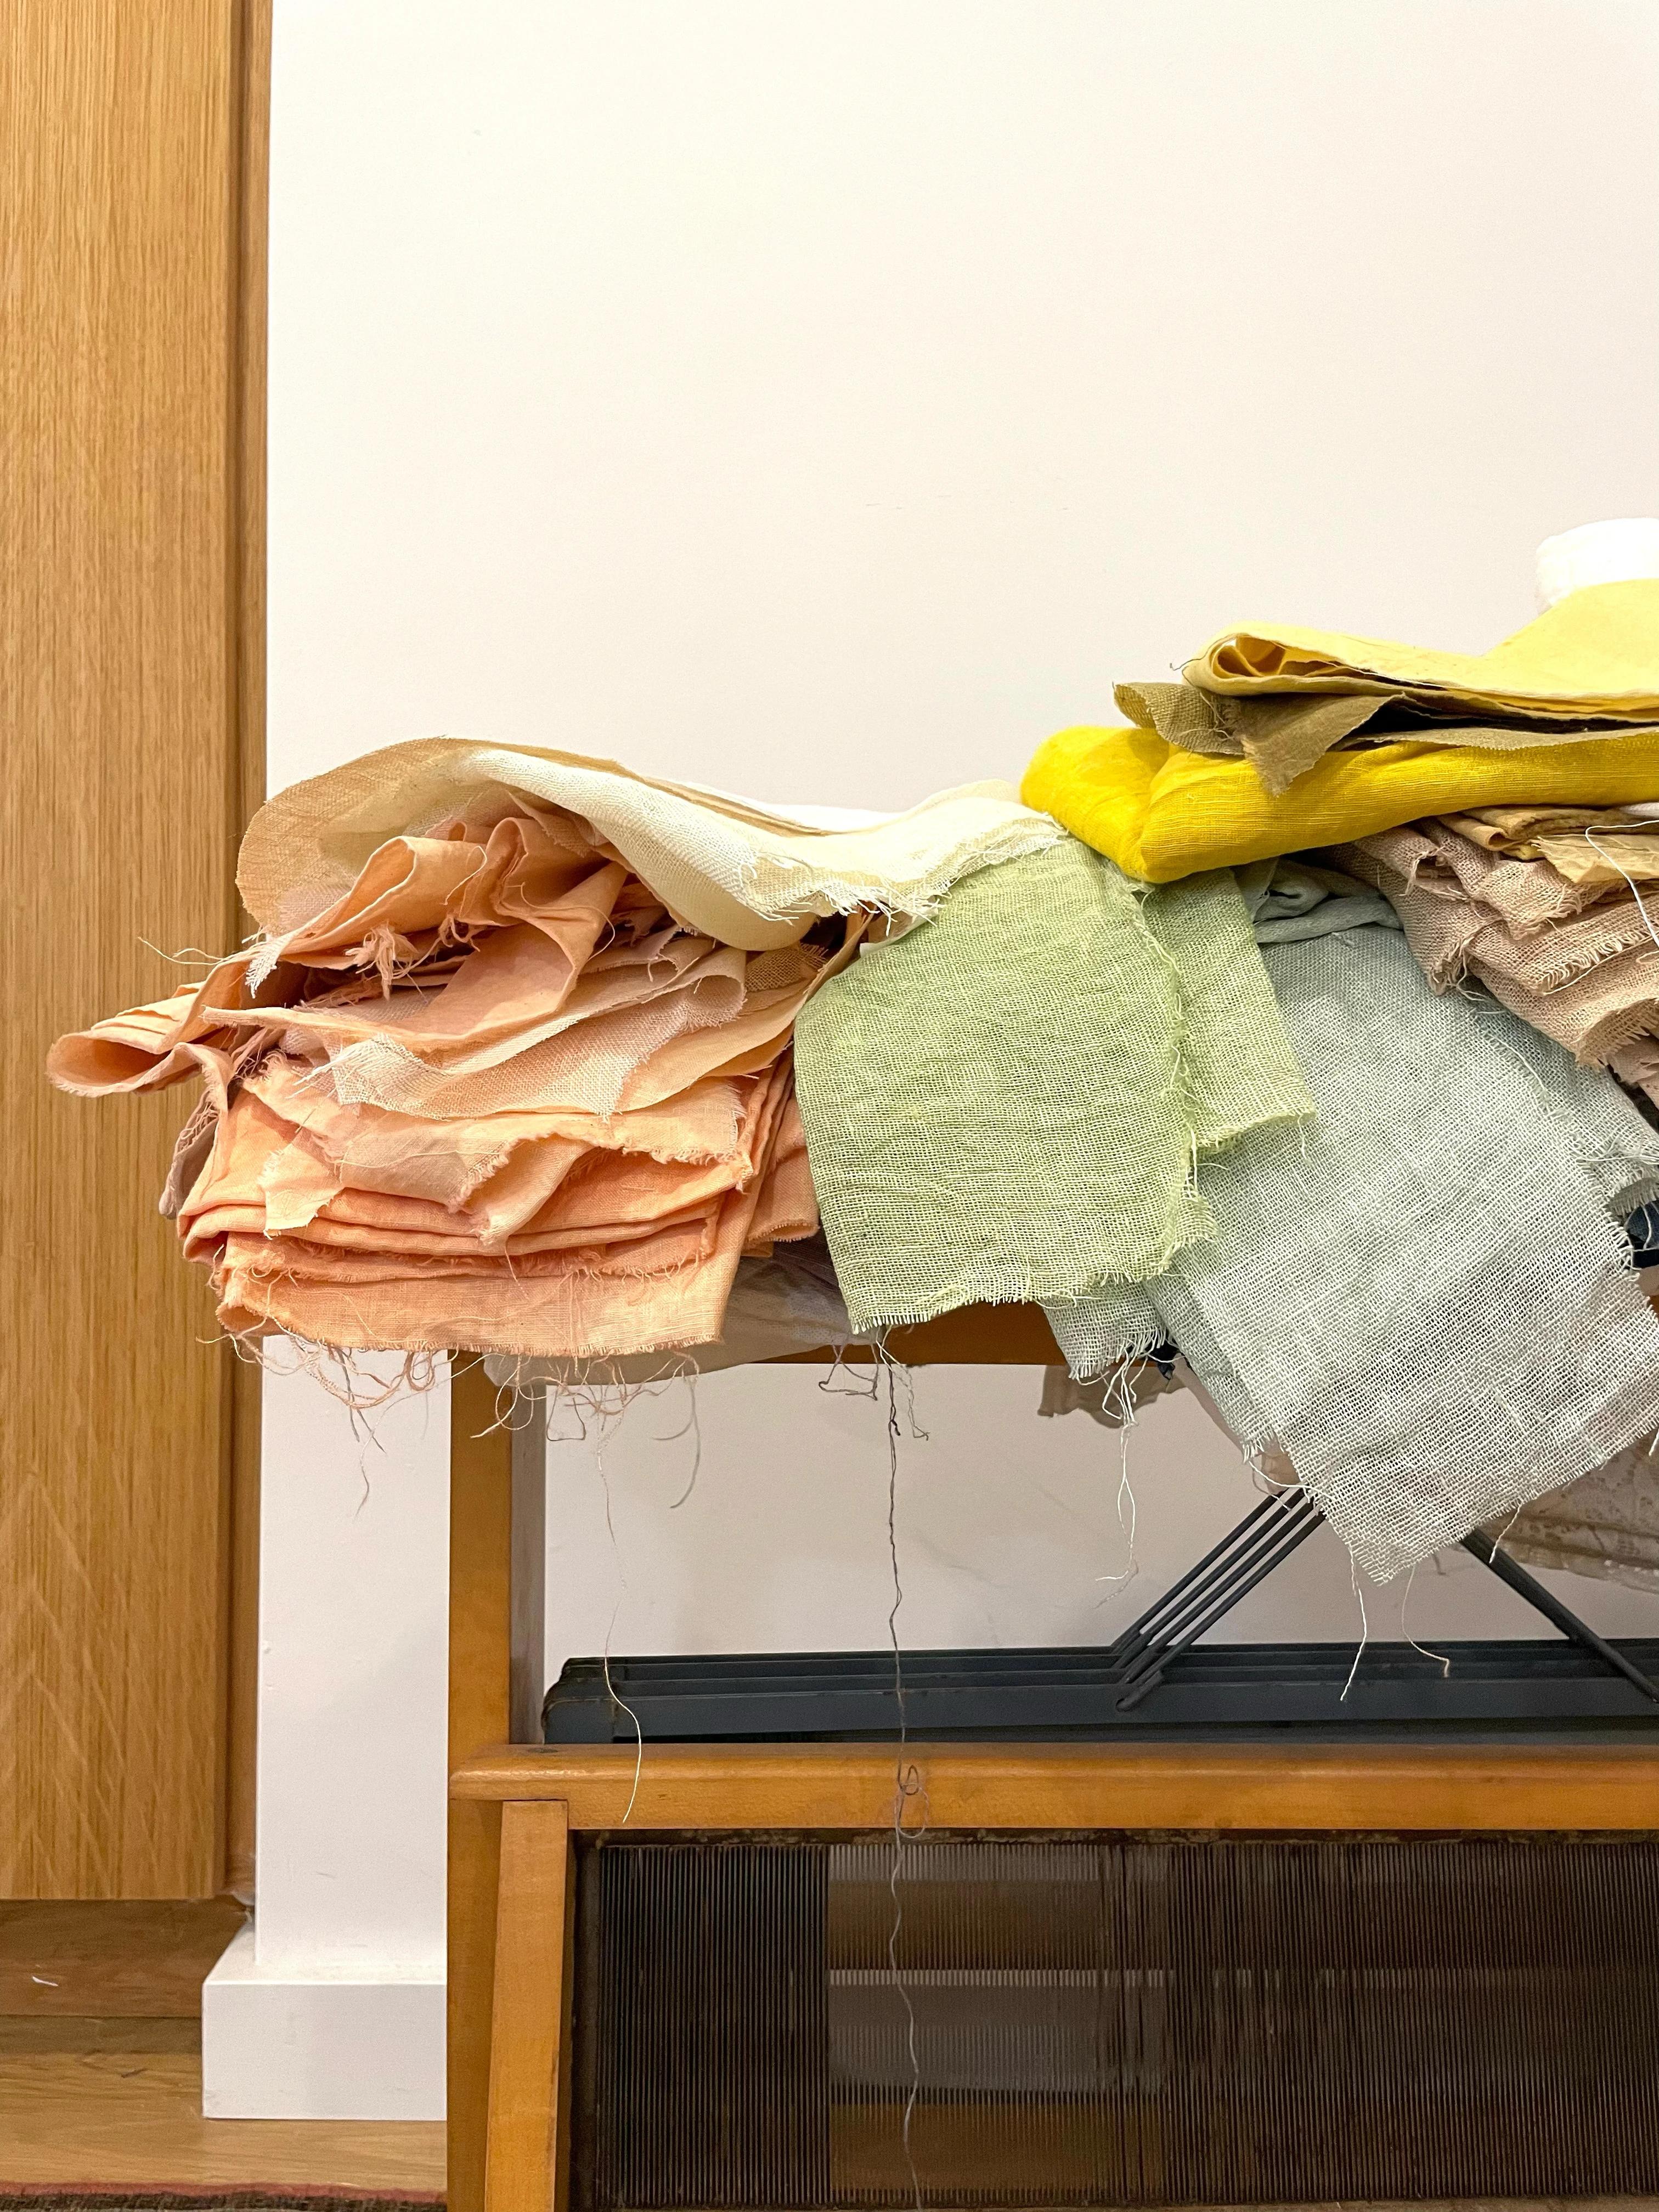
(480, 1609)
(527, 2156)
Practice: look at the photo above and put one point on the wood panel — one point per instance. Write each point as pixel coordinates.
(124, 685)
(98, 1960)
(970, 1336)
(252, 28)
(527, 2162)
(480, 1656)
(1070, 1786)
(114, 2104)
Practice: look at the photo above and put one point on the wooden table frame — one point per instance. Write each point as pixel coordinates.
(515, 1808)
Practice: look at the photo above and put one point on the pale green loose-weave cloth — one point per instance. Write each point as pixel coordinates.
(1009, 1102)
(1424, 1297)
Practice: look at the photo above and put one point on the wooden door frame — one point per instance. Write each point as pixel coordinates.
(132, 519)
(252, 34)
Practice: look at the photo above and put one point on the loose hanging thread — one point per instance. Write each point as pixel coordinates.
(907, 1779)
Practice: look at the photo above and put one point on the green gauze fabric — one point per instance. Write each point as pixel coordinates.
(1425, 1298)
(1008, 1101)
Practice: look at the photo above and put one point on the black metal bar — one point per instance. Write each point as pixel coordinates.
(1144, 1629)
(1558, 1615)
(1146, 1676)
(1221, 1589)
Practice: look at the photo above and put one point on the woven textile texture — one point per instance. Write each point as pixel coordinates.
(723, 867)
(1008, 1103)
(1593, 653)
(1605, 1524)
(1602, 848)
(1282, 734)
(1289, 900)
(788, 1302)
(491, 1095)
(1161, 812)
(1575, 962)
(1424, 1297)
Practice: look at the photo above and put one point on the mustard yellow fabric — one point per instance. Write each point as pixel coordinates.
(1595, 653)
(1162, 813)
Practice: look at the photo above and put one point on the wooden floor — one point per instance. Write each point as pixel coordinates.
(119, 2102)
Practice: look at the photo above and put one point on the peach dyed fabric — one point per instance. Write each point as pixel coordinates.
(493, 1096)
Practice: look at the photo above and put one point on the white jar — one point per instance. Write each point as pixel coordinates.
(1596, 553)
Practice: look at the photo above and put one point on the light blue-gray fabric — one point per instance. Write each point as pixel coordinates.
(1424, 1297)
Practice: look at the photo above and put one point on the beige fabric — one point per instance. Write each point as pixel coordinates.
(1637, 1065)
(1586, 974)
(1600, 848)
(1605, 1524)
(1283, 735)
(723, 868)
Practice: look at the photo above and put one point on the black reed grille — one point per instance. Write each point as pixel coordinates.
(1110, 2022)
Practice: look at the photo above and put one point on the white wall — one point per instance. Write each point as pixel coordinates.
(829, 401)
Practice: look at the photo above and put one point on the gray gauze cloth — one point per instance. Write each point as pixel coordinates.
(1425, 1297)
(1290, 899)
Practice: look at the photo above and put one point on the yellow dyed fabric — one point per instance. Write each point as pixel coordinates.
(1595, 653)
(1162, 813)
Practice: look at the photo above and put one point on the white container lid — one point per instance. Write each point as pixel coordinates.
(1596, 553)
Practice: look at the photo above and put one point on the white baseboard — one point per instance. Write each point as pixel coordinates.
(284, 2044)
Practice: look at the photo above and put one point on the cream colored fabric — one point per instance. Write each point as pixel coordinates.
(1605, 1524)
(724, 868)
(1601, 848)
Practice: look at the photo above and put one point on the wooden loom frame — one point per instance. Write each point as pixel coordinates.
(516, 1807)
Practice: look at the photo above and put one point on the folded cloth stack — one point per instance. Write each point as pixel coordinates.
(1424, 1305)
(1288, 1077)
(1576, 957)
(1281, 739)
(510, 1068)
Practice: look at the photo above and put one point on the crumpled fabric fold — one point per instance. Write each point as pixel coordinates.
(1161, 812)
(483, 1085)
(1605, 1524)
(723, 866)
(1599, 848)
(1577, 965)
(1282, 735)
(1594, 652)
(1424, 1297)
(1006, 1105)
(1288, 900)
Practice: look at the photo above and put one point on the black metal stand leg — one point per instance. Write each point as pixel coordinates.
(1262, 1540)
(1294, 1521)
(1558, 1615)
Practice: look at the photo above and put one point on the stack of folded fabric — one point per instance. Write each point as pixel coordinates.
(510, 1067)
(1424, 1305)
(1271, 1047)
(1554, 924)
(1281, 739)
